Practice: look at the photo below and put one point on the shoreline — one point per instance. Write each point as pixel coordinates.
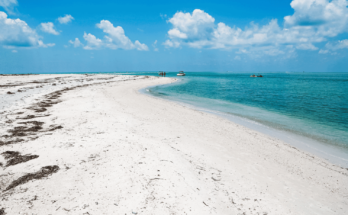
(331, 153)
(120, 151)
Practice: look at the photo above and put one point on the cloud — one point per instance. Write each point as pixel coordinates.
(331, 47)
(313, 21)
(175, 33)
(171, 43)
(14, 51)
(340, 44)
(237, 58)
(328, 18)
(92, 42)
(199, 31)
(154, 45)
(8, 5)
(17, 33)
(76, 42)
(115, 38)
(49, 28)
(141, 47)
(199, 25)
(65, 19)
(306, 46)
(41, 44)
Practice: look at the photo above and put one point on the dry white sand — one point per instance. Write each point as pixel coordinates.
(123, 152)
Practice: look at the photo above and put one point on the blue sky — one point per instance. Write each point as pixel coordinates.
(104, 36)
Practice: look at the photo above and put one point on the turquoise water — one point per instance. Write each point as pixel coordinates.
(313, 105)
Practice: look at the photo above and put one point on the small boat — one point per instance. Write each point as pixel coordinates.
(256, 76)
(181, 73)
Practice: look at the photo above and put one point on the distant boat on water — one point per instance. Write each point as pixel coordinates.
(256, 76)
(181, 73)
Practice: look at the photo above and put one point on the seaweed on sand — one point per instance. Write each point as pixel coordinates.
(15, 158)
(22, 130)
(44, 104)
(2, 143)
(36, 123)
(38, 110)
(54, 95)
(17, 131)
(28, 117)
(10, 154)
(44, 172)
(55, 127)
(2, 211)
(21, 159)
(41, 106)
(48, 103)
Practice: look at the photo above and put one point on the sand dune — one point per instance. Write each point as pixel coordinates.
(102, 147)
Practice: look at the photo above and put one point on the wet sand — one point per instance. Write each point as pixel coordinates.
(96, 145)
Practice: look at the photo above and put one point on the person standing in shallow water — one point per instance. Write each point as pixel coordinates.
(164, 74)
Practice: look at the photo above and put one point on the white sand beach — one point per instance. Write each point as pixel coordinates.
(94, 144)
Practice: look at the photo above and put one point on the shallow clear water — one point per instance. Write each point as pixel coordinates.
(313, 105)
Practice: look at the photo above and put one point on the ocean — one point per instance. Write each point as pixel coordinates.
(308, 110)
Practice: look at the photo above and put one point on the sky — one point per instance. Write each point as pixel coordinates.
(40, 36)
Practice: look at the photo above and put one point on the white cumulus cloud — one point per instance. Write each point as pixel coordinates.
(198, 25)
(8, 5)
(115, 38)
(76, 42)
(171, 43)
(140, 46)
(17, 33)
(313, 21)
(92, 42)
(306, 46)
(331, 47)
(41, 44)
(175, 33)
(322, 51)
(49, 28)
(65, 19)
(340, 44)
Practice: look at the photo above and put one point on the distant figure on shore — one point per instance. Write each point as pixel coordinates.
(164, 74)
